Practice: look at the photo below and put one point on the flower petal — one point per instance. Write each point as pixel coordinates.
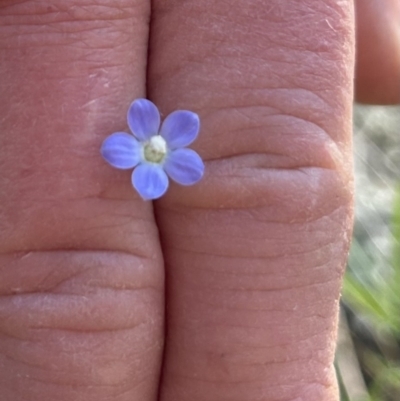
(150, 181)
(184, 166)
(180, 128)
(143, 119)
(121, 150)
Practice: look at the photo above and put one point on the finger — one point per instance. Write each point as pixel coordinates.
(80, 267)
(378, 51)
(255, 251)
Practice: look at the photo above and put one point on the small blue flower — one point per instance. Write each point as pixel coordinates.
(155, 152)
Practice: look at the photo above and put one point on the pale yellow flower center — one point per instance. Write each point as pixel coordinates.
(155, 149)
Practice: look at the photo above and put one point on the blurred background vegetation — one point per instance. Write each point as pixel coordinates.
(368, 353)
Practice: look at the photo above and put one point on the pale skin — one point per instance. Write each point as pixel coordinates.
(225, 291)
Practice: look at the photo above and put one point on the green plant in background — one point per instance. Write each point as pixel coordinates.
(377, 307)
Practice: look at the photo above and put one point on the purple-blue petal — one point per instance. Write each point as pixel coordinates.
(150, 181)
(143, 119)
(184, 166)
(180, 128)
(121, 150)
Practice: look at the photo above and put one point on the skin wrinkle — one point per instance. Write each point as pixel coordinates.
(74, 73)
(68, 34)
(233, 48)
(265, 13)
(87, 10)
(239, 358)
(144, 288)
(259, 392)
(282, 320)
(257, 318)
(273, 312)
(300, 101)
(98, 194)
(276, 399)
(253, 316)
(280, 312)
(63, 352)
(257, 270)
(265, 161)
(232, 256)
(278, 258)
(220, 381)
(184, 210)
(273, 108)
(307, 340)
(242, 273)
(274, 93)
(35, 334)
(56, 290)
(126, 385)
(12, 306)
(239, 194)
(84, 344)
(285, 257)
(296, 228)
(31, 365)
(84, 248)
(90, 230)
(243, 162)
(238, 254)
(323, 380)
(26, 361)
(278, 352)
(60, 384)
(275, 388)
(285, 343)
(269, 290)
(66, 356)
(177, 210)
(40, 286)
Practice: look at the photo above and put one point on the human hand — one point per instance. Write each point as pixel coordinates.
(253, 254)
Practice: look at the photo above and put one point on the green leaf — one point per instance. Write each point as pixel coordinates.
(363, 299)
(396, 232)
(392, 295)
